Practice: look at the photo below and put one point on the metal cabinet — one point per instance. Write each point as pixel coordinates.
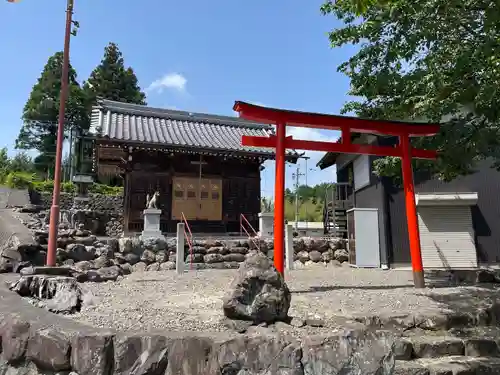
(363, 237)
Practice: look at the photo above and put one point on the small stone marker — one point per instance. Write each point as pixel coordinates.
(179, 254)
(289, 247)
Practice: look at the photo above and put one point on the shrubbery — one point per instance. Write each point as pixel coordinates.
(23, 180)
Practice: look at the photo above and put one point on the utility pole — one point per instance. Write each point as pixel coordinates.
(306, 159)
(297, 176)
(54, 209)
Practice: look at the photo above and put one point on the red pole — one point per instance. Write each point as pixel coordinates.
(54, 210)
(279, 200)
(411, 213)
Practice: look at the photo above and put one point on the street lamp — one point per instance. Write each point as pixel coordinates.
(54, 209)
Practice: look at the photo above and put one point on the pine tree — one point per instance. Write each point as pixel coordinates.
(41, 112)
(111, 80)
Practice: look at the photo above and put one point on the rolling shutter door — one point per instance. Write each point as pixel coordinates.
(447, 237)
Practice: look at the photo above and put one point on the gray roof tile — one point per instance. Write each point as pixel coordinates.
(154, 126)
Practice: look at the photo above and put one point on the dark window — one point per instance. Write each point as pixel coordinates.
(204, 195)
(179, 194)
(215, 195)
(191, 194)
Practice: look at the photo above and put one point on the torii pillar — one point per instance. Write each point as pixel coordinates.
(347, 125)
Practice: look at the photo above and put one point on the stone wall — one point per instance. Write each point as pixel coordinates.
(98, 202)
(35, 341)
(103, 214)
(134, 254)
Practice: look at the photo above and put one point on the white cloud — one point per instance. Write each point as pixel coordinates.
(172, 81)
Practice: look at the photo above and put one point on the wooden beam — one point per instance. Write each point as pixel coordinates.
(346, 148)
(333, 122)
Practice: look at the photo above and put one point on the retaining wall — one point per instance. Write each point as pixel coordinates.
(103, 214)
(35, 341)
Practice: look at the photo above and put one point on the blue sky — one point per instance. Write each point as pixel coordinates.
(196, 56)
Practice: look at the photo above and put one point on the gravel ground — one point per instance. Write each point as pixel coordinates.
(192, 302)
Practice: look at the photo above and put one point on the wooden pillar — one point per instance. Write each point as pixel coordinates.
(279, 200)
(411, 212)
(126, 201)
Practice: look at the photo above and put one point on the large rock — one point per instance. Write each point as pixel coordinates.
(59, 294)
(140, 354)
(9, 260)
(92, 354)
(350, 353)
(258, 292)
(14, 334)
(79, 252)
(130, 245)
(50, 350)
(259, 354)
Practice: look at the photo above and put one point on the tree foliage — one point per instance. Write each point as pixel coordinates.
(41, 112)
(112, 80)
(433, 60)
(20, 163)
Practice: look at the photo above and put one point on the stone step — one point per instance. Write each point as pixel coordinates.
(433, 346)
(452, 365)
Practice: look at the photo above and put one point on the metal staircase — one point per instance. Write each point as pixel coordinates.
(338, 199)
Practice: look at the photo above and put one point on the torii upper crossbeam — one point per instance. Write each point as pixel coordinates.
(347, 125)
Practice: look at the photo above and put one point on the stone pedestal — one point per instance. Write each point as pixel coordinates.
(151, 223)
(266, 224)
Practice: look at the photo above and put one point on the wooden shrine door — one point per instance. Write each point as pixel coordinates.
(197, 199)
(211, 199)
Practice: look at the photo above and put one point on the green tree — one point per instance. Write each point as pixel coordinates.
(41, 112)
(112, 80)
(433, 60)
(21, 162)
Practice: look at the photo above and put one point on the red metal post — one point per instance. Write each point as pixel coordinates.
(54, 210)
(279, 200)
(411, 213)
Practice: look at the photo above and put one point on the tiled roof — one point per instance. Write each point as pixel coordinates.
(153, 126)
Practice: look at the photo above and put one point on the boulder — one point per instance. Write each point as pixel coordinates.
(7, 264)
(213, 258)
(199, 250)
(131, 258)
(303, 256)
(50, 350)
(104, 250)
(59, 294)
(87, 241)
(148, 257)
(167, 266)
(239, 250)
(129, 245)
(79, 252)
(154, 244)
(258, 293)
(153, 267)
(234, 257)
(341, 255)
(315, 256)
(194, 258)
(126, 268)
(101, 262)
(139, 267)
(83, 266)
(161, 256)
(327, 256)
(351, 352)
(109, 273)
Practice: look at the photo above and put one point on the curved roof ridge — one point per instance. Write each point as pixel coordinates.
(142, 110)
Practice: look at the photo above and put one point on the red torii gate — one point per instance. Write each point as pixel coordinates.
(281, 118)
